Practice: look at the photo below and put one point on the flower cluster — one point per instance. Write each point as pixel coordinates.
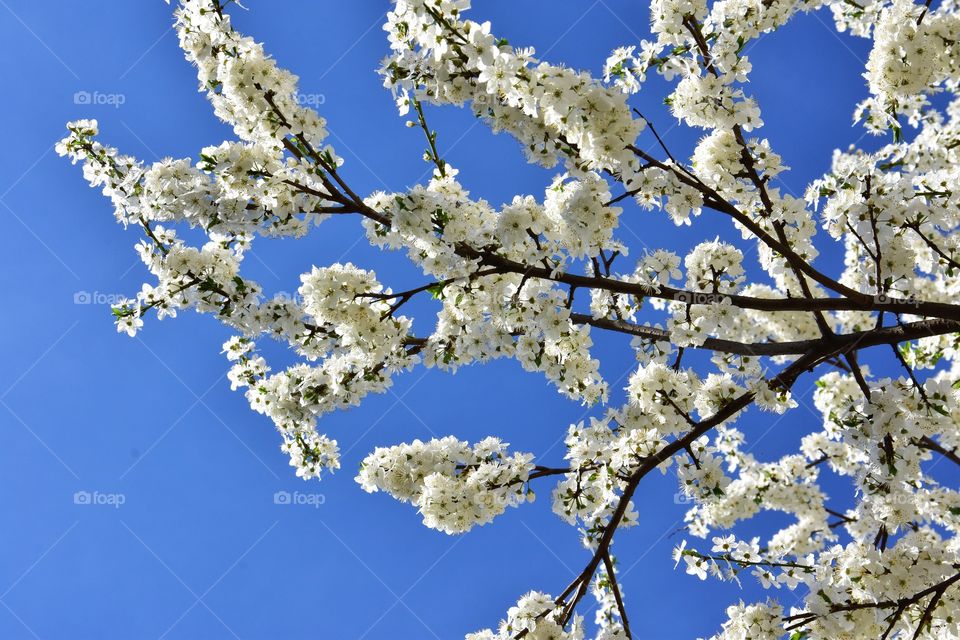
(439, 226)
(914, 50)
(590, 492)
(244, 85)
(535, 616)
(454, 485)
(553, 111)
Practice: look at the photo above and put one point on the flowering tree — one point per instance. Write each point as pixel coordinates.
(505, 282)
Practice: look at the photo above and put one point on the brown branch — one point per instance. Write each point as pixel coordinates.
(863, 339)
(614, 585)
(861, 302)
(953, 264)
(930, 444)
(713, 200)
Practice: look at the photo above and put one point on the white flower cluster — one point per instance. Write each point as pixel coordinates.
(711, 102)
(912, 55)
(535, 616)
(849, 577)
(359, 343)
(435, 223)
(627, 70)
(237, 189)
(348, 303)
(752, 622)
(553, 111)
(905, 213)
(590, 492)
(246, 88)
(549, 341)
(669, 17)
(788, 485)
(659, 187)
(580, 222)
(897, 491)
(898, 495)
(455, 486)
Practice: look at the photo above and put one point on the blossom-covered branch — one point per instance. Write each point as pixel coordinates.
(505, 282)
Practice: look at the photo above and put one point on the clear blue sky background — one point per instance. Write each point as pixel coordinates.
(199, 549)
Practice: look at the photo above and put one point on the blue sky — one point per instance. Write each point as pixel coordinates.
(199, 549)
